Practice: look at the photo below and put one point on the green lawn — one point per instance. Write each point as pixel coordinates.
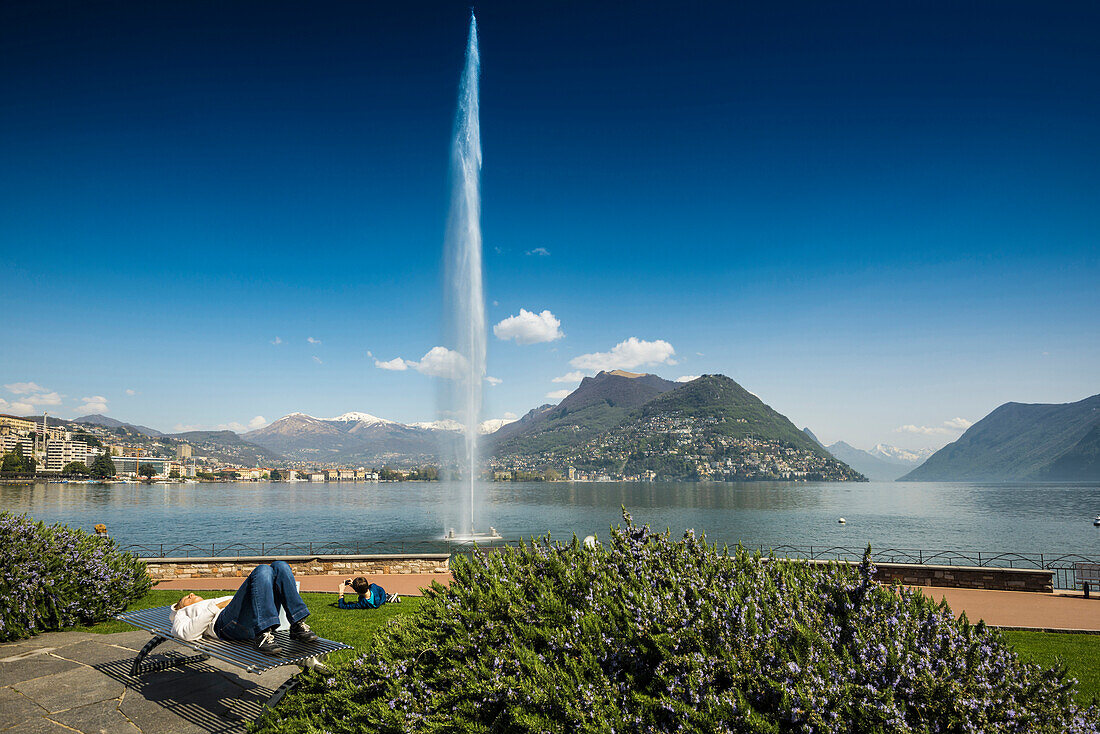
(1079, 653)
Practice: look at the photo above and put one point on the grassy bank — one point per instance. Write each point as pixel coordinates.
(1079, 653)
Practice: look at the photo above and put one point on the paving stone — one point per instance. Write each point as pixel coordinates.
(38, 726)
(93, 652)
(172, 716)
(34, 666)
(134, 640)
(15, 707)
(76, 687)
(13, 654)
(96, 718)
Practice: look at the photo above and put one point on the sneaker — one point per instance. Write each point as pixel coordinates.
(393, 599)
(266, 643)
(300, 631)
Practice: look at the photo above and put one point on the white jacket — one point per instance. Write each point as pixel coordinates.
(196, 620)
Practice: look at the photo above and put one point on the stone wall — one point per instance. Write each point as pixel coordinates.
(967, 577)
(962, 577)
(162, 569)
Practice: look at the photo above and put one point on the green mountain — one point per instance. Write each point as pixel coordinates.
(1019, 441)
(709, 428)
(598, 404)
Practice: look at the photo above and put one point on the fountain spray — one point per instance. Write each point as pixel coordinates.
(465, 290)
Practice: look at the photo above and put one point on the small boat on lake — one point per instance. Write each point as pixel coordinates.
(1096, 521)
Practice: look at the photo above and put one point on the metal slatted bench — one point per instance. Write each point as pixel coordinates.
(1085, 574)
(242, 654)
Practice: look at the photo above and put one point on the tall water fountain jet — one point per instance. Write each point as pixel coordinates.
(465, 290)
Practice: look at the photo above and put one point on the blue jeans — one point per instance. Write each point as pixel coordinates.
(255, 606)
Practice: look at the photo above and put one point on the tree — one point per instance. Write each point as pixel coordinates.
(147, 470)
(76, 467)
(276, 475)
(103, 467)
(13, 462)
(174, 474)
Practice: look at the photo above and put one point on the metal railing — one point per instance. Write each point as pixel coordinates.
(236, 550)
(1062, 564)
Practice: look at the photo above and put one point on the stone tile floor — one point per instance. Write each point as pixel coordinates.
(78, 681)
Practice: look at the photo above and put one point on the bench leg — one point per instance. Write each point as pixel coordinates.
(1086, 589)
(140, 667)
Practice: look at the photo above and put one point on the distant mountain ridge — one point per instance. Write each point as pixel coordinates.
(96, 419)
(1019, 441)
(868, 464)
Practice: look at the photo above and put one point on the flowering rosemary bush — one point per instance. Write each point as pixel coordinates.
(56, 576)
(644, 633)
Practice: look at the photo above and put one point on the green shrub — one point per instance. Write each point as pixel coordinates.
(648, 634)
(56, 576)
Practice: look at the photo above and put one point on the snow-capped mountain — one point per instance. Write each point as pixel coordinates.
(486, 427)
(358, 436)
(908, 457)
(355, 417)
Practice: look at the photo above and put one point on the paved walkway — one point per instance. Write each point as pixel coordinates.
(78, 681)
(1023, 609)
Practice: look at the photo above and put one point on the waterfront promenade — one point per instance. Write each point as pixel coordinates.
(78, 681)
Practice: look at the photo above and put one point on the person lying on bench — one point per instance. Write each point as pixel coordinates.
(371, 596)
(250, 614)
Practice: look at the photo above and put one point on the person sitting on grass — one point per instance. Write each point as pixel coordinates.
(250, 614)
(371, 596)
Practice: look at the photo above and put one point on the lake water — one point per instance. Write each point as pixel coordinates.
(1031, 518)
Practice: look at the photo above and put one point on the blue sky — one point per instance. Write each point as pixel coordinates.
(875, 217)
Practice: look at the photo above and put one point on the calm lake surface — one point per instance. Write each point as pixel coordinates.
(1032, 518)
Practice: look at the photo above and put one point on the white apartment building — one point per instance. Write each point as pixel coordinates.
(60, 453)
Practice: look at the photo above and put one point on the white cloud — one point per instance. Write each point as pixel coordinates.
(510, 416)
(955, 425)
(18, 407)
(317, 359)
(93, 404)
(959, 424)
(571, 377)
(44, 398)
(628, 354)
(396, 364)
(494, 381)
(311, 340)
(257, 422)
(687, 378)
(559, 394)
(34, 394)
(23, 388)
(131, 392)
(539, 252)
(277, 341)
(529, 328)
(440, 362)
